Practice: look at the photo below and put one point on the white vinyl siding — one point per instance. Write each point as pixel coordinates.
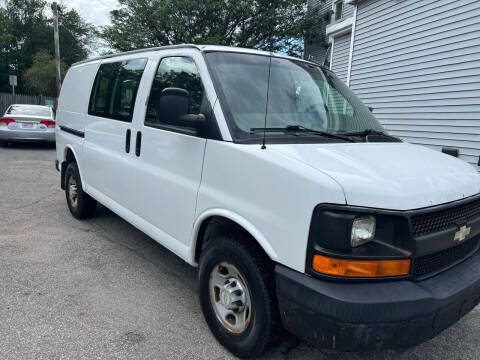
(348, 10)
(317, 52)
(341, 56)
(325, 5)
(418, 64)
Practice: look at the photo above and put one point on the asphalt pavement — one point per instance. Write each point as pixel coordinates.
(101, 289)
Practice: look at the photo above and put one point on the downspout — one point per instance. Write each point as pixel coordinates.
(331, 52)
(352, 44)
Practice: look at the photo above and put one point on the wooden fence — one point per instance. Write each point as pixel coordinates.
(7, 99)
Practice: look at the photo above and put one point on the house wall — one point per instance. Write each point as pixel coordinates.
(314, 51)
(326, 5)
(418, 64)
(341, 56)
(348, 10)
(317, 52)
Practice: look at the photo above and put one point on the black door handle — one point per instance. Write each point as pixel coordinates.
(138, 145)
(127, 141)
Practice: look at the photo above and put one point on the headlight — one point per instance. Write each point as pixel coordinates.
(363, 230)
(337, 233)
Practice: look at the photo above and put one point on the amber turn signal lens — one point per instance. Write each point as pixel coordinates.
(360, 268)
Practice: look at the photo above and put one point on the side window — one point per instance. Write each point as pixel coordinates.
(175, 72)
(115, 89)
(100, 98)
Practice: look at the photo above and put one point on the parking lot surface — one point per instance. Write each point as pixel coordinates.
(100, 289)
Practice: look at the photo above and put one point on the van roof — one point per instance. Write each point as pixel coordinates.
(203, 48)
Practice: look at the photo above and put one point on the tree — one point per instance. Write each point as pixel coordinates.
(76, 36)
(263, 24)
(6, 41)
(40, 78)
(26, 29)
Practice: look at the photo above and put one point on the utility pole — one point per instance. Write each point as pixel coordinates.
(56, 9)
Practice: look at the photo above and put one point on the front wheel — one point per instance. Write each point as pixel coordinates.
(3, 143)
(81, 205)
(237, 296)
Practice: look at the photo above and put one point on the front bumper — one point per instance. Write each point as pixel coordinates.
(380, 315)
(25, 135)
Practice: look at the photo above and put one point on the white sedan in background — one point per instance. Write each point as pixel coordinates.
(27, 123)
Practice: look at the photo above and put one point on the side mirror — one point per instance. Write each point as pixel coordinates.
(192, 121)
(173, 109)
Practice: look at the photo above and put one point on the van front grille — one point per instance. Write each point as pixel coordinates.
(439, 220)
(436, 262)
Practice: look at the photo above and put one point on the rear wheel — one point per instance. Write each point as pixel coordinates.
(81, 204)
(3, 143)
(237, 296)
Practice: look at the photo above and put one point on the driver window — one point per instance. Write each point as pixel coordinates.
(174, 72)
(337, 104)
(340, 111)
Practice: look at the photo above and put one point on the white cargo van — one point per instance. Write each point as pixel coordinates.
(274, 179)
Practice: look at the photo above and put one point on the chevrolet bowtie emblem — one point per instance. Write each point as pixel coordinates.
(462, 234)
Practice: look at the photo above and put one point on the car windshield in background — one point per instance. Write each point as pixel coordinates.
(30, 110)
(300, 96)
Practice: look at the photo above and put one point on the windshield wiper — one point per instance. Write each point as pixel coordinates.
(371, 132)
(299, 128)
(365, 133)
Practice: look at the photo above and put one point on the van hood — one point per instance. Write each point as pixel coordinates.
(396, 176)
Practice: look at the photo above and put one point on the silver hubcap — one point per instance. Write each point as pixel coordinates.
(72, 191)
(230, 297)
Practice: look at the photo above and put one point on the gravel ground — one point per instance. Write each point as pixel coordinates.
(100, 289)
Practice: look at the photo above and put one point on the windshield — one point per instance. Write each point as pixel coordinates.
(298, 93)
(30, 110)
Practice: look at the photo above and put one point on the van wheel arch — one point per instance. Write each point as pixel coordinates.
(216, 226)
(68, 157)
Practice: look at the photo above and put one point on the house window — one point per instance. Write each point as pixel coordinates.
(338, 10)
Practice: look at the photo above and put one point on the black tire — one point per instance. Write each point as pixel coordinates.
(84, 205)
(257, 271)
(3, 143)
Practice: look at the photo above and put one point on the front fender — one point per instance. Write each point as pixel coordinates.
(239, 220)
